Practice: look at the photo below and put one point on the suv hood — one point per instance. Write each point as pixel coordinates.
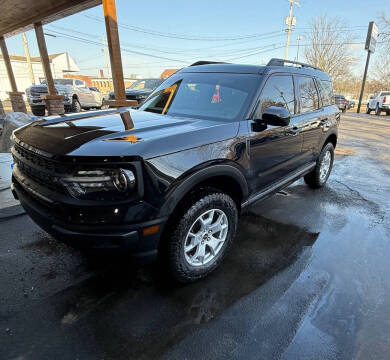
(104, 133)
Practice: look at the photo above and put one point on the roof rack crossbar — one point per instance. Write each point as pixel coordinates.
(281, 62)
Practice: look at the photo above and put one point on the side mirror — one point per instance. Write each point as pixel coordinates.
(276, 116)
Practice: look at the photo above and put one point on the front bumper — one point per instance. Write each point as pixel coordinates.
(129, 237)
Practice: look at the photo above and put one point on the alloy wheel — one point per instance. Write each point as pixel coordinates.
(206, 237)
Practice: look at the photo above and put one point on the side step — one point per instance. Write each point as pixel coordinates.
(279, 184)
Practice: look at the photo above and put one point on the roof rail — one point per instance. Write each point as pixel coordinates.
(281, 62)
(206, 63)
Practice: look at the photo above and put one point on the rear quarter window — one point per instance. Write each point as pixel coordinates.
(326, 92)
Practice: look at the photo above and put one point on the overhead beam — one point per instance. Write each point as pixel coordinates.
(20, 15)
(44, 58)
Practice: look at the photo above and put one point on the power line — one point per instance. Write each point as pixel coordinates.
(180, 36)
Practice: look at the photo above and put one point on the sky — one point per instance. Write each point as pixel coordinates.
(156, 35)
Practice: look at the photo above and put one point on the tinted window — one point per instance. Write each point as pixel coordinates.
(216, 96)
(308, 93)
(385, 93)
(326, 91)
(61, 81)
(79, 82)
(147, 84)
(278, 91)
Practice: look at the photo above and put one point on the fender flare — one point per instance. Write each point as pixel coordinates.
(178, 192)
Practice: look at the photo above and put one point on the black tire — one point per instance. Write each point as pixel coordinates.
(76, 107)
(377, 110)
(344, 110)
(387, 113)
(180, 269)
(313, 179)
(368, 110)
(38, 111)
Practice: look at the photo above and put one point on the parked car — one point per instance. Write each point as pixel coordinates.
(351, 104)
(379, 102)
(341, 102)
(140, 89)
(77, 96)
(172, 177)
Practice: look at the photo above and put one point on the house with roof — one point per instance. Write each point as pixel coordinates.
(61, 64)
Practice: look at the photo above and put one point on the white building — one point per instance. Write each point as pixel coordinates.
(60, 65)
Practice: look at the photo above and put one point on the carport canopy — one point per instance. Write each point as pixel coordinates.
(22, 15)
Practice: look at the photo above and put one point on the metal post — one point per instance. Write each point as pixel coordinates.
(44, 58)
(364, 81)
(28, 58)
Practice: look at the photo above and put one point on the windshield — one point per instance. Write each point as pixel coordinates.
(60, 81)
(210, 96)
(149, 84)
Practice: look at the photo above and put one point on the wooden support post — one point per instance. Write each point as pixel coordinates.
(17, 101)
(115, 55)
(54, 102)
(8, 65)
(44, 58)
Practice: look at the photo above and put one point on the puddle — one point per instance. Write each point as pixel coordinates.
(136, 313)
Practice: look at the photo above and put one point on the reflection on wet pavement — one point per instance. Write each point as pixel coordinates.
(134, 312)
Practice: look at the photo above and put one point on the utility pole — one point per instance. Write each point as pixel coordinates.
(106, 56)
(28, 58)
(372, 35)
(290, 22)
(298, 40)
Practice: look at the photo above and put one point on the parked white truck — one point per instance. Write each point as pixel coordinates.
(379, 102)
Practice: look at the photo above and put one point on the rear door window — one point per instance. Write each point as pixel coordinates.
(308, 94)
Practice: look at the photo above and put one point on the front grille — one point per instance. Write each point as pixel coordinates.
(37, 92)
(131, 97)
(40, 169)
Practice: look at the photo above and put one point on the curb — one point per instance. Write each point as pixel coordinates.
(11, 212)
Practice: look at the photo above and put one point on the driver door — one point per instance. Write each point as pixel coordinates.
(275, 151)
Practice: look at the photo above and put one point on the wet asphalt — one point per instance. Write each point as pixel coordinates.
(307, 278)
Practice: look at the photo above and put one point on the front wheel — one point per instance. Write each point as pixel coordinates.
(320, 174)
(38, 110)
(201, 237)
(76, 107)
(368, 110)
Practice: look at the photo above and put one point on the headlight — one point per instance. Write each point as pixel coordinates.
(103, 184)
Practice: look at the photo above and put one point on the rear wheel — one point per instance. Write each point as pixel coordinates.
(368, 110)
(200, 238)
(76, 107)
(377, 110)
(38, 110)
(318, 177)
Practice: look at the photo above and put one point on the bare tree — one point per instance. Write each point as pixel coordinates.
(329, 47)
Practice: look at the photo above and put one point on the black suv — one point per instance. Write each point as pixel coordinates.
(171, 177)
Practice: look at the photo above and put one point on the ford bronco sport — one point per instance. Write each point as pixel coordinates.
(172, 176)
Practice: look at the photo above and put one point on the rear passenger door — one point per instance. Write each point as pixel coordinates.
(275, 150)
(310, 114)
